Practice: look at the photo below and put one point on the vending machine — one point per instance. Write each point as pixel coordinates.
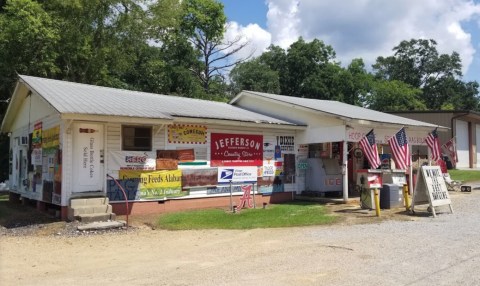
(324, 175)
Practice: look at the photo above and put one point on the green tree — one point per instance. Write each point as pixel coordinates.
(28, 37)
(306, 63)
(418, 64)
(393, 95)
(100, 39)
(255, 75)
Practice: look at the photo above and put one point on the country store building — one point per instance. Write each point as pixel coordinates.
(70, 140)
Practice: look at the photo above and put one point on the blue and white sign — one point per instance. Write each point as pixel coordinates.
(237, 174)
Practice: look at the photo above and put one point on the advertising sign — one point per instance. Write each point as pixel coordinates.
(37, 157)
(286, 143)
(237, 174)
(131, 160)
(236, 150)
(154, 184)
(50, 137)
(187, 134)
(37, 136)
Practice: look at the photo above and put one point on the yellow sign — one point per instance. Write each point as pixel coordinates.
(51, 137)
(154, 179)
(187, 134)
(37, 136)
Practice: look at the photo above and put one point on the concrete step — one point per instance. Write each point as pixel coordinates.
(88, 202)
(96, 217)
(101, 225)
(89, 209)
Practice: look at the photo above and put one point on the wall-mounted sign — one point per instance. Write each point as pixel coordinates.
(155, 184)
(237, 174)
(186, 155)
(131, 160)
(37, 136)
(51, 137)
(286, 143)
(187, 134)
(236, 150)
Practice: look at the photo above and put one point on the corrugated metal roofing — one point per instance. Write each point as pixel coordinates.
(341, 109)
(77, 98)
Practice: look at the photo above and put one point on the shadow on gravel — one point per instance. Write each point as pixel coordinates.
(18, 215)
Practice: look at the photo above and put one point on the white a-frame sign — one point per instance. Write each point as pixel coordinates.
(431, 189)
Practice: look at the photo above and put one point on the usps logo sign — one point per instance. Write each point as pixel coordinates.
(237, 175)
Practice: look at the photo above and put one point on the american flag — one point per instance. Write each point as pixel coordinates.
(370, 150)
(452, 150)
(400, 150)
(434, 145)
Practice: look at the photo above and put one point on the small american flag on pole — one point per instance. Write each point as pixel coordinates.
(452, 150)
(370, 150)
(434, 145)
(400, 150)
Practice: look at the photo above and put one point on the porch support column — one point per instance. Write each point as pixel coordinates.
(345, 170)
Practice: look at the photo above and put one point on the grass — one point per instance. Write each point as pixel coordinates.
(280, 215)
(465, 175)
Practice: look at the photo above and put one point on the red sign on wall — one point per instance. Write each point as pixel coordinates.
(236, 150)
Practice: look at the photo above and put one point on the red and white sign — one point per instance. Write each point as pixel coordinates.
(246, 199)
(236, 150)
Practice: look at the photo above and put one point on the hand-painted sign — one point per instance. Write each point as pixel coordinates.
(155, 184)
(186, 155)
(131, 160)
(187, 134)
(243, 174)
(236, 150)
(87, 155)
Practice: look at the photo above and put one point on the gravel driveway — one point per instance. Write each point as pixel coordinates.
(418, 250)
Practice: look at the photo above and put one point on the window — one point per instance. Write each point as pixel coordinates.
(136, 138)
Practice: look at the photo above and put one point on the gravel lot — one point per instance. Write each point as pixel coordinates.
(396, 249)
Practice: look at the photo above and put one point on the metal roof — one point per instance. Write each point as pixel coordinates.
(339, 109)
(76, 98)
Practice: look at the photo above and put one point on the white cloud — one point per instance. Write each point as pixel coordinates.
(371, 28)
(283, 21)
(367, 28)
(258, 39)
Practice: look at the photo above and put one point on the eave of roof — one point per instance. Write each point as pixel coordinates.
(82, 99)
(338, 110)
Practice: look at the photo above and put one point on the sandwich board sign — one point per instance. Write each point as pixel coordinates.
(431, 189)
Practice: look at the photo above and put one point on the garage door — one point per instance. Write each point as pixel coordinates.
(461, 128)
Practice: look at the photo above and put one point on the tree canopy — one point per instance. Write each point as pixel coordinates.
(178, 47)
(415, 77)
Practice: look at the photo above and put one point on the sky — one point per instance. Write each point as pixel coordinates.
(363, 29)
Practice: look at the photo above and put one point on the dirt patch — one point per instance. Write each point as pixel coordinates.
(21, 220)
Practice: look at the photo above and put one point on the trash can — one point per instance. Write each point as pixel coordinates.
(391, 196)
